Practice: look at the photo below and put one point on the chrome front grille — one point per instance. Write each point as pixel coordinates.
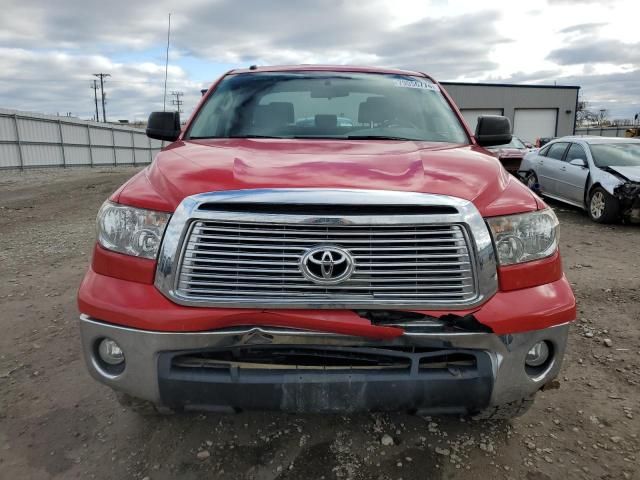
(260, 249)
(394, 264)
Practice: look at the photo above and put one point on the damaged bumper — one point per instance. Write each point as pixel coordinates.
(300, 370)
(628, 194)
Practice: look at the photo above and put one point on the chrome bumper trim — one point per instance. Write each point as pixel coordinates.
(141, 348)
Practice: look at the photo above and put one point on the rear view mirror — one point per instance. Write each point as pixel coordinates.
(493, 130)
(578, 162)
(164, 126)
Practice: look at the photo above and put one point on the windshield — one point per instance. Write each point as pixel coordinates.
(616, 154)
(336, 105)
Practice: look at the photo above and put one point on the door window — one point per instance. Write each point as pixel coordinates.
(576, 151)
(557, 150)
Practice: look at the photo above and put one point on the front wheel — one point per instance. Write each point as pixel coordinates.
(532, 181)
(603, 207)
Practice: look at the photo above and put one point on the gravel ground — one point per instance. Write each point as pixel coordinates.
(56, 422)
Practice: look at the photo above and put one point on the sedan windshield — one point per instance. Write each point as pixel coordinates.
(616, 154)
(335, 105)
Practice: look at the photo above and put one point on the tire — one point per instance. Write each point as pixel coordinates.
(603, 207)
(144, 408)
(506, 411)
(531, 181)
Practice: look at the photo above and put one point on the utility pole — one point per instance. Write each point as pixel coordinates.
(95, 97)
(177, 102)
(102, 76)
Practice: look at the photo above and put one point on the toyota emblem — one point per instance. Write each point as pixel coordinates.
(327, 265)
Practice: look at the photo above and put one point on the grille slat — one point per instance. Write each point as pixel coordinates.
(194, 253)
(380, 230)
(249, 261)
(195, 284)
(301, 240)
(244, 246)
(441, 280)
(296, 271)
(331, 296)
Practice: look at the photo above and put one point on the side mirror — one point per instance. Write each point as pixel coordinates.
(164, 126)
(578, 162)
(493, 130)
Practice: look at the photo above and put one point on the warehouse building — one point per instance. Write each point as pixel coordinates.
(534, 110)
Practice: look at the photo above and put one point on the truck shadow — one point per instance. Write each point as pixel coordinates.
(264, 445)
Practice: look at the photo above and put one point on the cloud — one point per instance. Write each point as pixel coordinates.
(584, 28)
(77, 24)
(336, 31)
(597, 51)
(619, 93)
(39, 38)
(581, 2)
(48, 50)
(50, 81)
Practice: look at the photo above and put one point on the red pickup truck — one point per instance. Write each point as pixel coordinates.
(326, 238)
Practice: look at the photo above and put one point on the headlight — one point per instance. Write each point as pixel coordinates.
(129, 230)
(524, 237)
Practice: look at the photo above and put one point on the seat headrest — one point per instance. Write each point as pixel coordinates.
(274, 113)
(375, 109)
(326, 121)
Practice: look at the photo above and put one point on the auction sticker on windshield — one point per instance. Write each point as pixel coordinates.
(404, 83)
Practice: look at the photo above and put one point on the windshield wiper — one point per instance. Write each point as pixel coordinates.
(379, 137)
(251, 135)
(235, 136)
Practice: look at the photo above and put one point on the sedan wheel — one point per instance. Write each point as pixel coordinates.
(603, 208)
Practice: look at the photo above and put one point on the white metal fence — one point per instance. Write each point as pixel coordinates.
(32, 140)
(604, 131)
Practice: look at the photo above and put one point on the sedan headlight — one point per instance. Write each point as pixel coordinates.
(129, 230)
(524, 237)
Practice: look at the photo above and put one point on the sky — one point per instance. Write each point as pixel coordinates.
(50, 50)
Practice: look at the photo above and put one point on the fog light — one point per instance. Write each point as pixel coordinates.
(110, 352)
(538, 354)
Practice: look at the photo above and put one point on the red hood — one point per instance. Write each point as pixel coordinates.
(187, 168)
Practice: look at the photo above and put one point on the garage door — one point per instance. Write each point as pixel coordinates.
(532, 123)
(471, 115)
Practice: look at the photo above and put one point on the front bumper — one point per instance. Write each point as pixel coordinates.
(499, 375)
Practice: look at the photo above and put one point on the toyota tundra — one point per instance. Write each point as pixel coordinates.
(326, 239)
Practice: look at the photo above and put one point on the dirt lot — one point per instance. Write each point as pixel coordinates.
(56, 422)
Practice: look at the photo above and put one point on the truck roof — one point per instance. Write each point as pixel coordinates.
(325, 68)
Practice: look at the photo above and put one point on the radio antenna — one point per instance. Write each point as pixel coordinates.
(166, 68)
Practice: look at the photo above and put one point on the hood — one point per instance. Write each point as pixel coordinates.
(189, 167)
(630, 173)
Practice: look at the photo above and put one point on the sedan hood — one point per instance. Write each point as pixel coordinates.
(630, 173)
(508, 152)
(189, 167)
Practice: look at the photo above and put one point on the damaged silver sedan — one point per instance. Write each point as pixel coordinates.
(598, 174)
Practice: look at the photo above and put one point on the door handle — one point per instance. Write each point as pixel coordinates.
(564, 169)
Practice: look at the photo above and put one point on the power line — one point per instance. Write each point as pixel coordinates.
(95, 97)
(177, 102)
(102, 76)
